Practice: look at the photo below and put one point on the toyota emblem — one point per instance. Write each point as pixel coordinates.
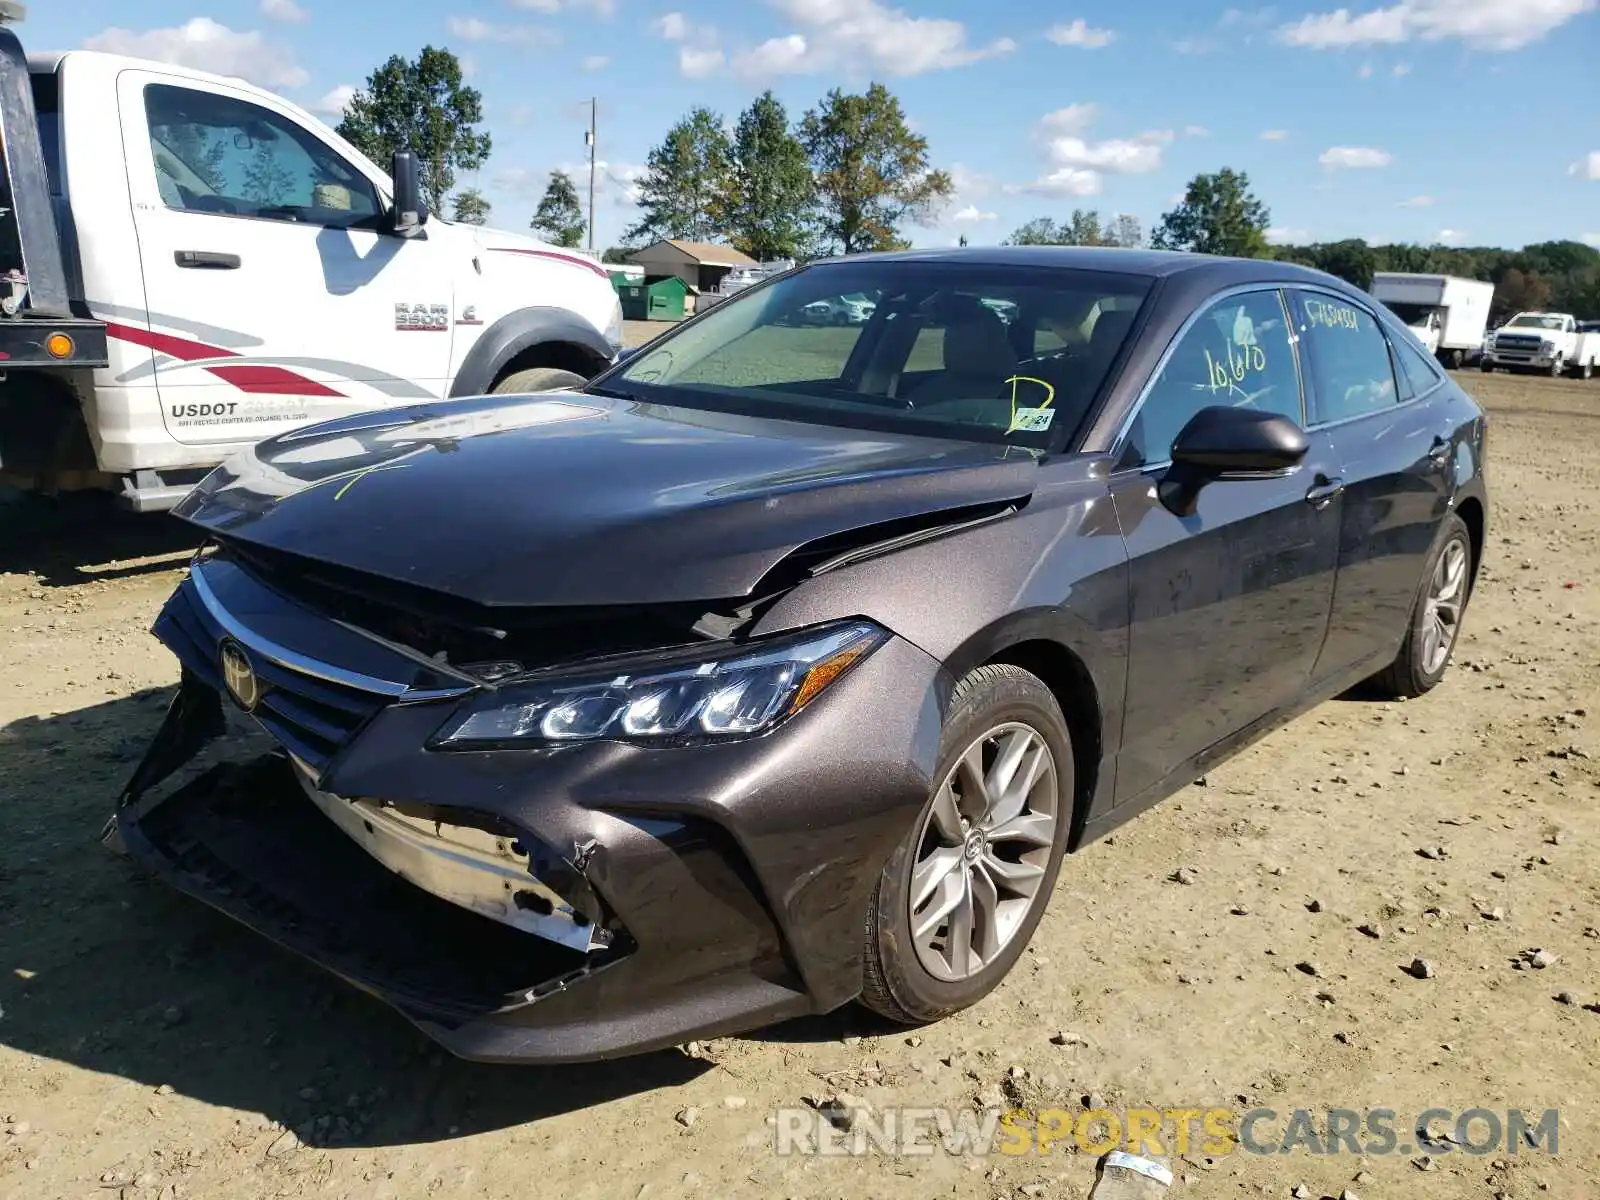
(238, 676)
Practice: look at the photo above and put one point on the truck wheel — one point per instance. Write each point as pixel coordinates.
(1586, 371)
(1486, 366)
(1455, 358)
(537, 379)
(1557, 368)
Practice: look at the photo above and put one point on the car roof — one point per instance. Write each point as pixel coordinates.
(1200, 268)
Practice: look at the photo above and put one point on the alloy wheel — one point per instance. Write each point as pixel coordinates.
(983, 850)
(1447, 595)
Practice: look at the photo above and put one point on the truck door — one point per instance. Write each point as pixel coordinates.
(255, 229)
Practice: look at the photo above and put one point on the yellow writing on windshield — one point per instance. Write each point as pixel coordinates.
(1332, 316)
(1239, 364)
(1049, 396)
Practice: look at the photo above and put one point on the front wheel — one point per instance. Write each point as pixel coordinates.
(1486, 366)
(1435, 616)
(537, 379)
(960, 897)
(1557, 368)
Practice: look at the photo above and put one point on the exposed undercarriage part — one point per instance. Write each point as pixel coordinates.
(488, 872)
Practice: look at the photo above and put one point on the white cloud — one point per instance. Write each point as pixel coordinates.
(1275, 135)
(1446, 236)
(1280, 236)
(473, 29)
(1366, 71)
(283, 10)
(1400, 70)
(971, 215)
(1416, 202)
(1074, 118)
(334, 101)
(1592, 239)
(863, 36)
(1080, 163)
(604, 8)
(1587, 167)
(1058, 184)
(1197, 45)
(1486, 24)
(1080, 33)
(204, 45)
(674, 26)
(699, 63)
(1354, 158)
(596, 62)
(1196, 131)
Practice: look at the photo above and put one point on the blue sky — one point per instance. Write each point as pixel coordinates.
(1461, 121)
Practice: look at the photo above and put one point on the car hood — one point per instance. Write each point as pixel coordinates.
(569, 499)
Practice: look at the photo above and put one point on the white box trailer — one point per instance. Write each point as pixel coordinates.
(1449, 315)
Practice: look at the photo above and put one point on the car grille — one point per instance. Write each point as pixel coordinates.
(312, 718)
(1518, 345)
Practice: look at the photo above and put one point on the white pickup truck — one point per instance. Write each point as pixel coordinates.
(226, 267)
(1541, 341)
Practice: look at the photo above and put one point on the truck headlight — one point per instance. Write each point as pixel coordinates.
(696, 694)
(1547, 346)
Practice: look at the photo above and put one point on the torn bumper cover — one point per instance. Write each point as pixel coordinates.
(522, 905)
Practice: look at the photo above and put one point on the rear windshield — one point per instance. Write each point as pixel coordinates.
(989, 353)
(46, 103)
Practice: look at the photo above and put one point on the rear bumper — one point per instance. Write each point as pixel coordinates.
(731, 882)
(28, 342)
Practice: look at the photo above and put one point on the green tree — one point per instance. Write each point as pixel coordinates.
(560, 215)
(1352, 260)
(1218, 215)
(871, 170)
(470, 208)
(1125, 231)
(1521, 291)
(266, 180)
(1082, 228)
(684, 192)
(423, 106)
(617, 254)
(773, 197)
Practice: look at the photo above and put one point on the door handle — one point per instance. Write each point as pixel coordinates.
(206, 260)
(1325, 492)
(1439, 452)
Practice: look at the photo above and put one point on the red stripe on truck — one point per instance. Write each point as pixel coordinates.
(271, 381)
(570, 260)
(255, 379)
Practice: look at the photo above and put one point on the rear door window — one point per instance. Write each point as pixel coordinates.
(1348, 363)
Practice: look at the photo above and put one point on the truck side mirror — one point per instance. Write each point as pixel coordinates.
(410, 211)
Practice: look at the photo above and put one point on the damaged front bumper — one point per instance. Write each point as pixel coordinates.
(527, 905)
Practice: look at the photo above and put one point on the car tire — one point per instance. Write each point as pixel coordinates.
(537, 379)
(1558, 368)
(993, 709)
(1486, 366)
(1418, 667)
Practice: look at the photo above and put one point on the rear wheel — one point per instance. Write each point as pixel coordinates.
(537, 379)
(960, 897)
(1435, 617)
(1586, 371)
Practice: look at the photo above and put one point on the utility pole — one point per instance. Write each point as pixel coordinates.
(591, 140)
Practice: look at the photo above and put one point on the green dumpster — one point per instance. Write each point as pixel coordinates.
(658, 298)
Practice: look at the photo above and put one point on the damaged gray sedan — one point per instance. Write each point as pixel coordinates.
(781, 665)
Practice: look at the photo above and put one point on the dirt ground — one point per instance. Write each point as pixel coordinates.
(149, 1048)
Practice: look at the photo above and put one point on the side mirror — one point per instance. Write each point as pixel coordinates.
(1228, 443)
(1220, 441)
(410, 211)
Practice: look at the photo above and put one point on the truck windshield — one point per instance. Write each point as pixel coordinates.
(979, 352)
(1414, 315)
(1533, 321)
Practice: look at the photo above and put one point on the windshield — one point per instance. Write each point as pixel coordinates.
(1533, 321)
(990, 353)
(1414, 315)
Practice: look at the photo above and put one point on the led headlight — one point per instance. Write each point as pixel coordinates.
(697, 694)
